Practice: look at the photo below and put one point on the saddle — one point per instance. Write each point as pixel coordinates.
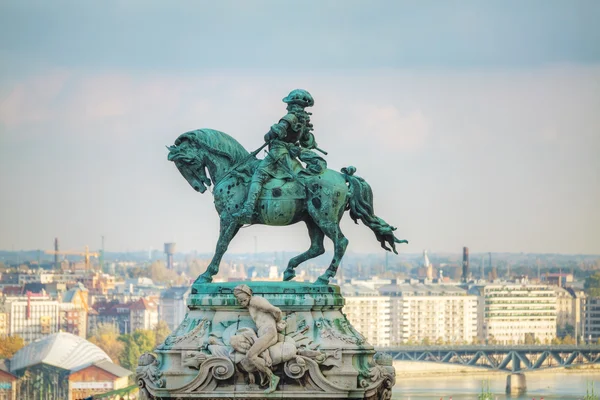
(281, 187)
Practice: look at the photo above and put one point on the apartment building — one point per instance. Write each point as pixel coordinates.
(172, 306)
(518, 313)
(431, 312)
(143, 314)
(369, 313)
(74, 311)
(592, 320)
(30, 317)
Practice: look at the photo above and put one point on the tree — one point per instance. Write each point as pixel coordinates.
(131, 354)
(568, 340)
(138, 272)
(160, 273)
(139, 342)
(529, 338)
(145, 340)
(161, 331)
(556, 341)
(592, 285)
(197, 267)
(568, 330)
(107, 338)
(9, 345)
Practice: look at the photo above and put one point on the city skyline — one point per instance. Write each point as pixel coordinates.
(481, 130)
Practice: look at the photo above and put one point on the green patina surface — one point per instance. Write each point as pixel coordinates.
(288, 294)
(290, 184)
(267, 287)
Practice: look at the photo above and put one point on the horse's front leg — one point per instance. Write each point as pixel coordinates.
(229, 228)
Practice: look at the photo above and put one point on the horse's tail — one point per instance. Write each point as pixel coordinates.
(360, 205)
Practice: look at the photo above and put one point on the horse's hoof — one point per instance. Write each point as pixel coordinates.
(203, 279)
(322, 281)
(288, 275)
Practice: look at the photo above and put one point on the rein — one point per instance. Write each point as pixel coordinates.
(244, 161)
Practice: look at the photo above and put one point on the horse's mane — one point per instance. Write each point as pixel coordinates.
(219, 143)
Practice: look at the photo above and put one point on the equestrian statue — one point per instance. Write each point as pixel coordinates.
(290, 184)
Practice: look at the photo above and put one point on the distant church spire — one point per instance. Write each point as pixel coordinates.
(427, 265)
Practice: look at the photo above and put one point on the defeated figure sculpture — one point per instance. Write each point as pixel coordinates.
(265, 348)
(268, 323)
(279, 190)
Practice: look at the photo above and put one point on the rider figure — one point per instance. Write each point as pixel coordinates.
(286, 140)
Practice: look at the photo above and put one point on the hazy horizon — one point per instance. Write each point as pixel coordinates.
(476, 124)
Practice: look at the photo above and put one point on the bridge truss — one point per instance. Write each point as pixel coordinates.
(505, 358)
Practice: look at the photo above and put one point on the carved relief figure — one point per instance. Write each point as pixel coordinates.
(268, 323)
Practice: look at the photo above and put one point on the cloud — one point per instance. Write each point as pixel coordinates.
(32, 99)
(392, 130)
(440, 149)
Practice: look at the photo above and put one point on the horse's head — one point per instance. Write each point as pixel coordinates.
(190, 160)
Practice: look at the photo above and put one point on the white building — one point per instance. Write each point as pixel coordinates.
(30, 317)
(592, 320)
(369, 313)
(434, 313)
(172, 306)
(577, 315)
(40, 277)
(518, 313)
(570, 304)
(374, 283)
(50, 277)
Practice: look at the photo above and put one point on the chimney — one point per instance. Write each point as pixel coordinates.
(465, 265)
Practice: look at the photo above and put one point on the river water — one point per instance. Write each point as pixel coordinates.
(560, 385)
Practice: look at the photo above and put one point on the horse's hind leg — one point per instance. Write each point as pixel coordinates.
(316, 249)
(229, 228)
(333, 232)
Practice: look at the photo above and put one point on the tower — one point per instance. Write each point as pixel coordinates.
(465, 265)
(169, 251)
(56, 253)
(482, 268)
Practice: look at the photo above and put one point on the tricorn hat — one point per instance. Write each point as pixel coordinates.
(300, 97)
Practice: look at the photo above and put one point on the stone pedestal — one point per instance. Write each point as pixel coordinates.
(516, 384)
(318, 354)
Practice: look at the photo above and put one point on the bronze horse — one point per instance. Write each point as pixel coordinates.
(318, 200)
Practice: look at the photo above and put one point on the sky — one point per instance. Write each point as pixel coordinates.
(475, 123)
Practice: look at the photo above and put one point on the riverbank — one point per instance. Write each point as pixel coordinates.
(408, 369)
(550, 385)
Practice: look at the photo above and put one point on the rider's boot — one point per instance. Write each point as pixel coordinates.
(246, 213)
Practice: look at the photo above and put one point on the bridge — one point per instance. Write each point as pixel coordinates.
(513, 358)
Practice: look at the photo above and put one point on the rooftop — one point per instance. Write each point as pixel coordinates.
(421, 289)
(63, 350)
